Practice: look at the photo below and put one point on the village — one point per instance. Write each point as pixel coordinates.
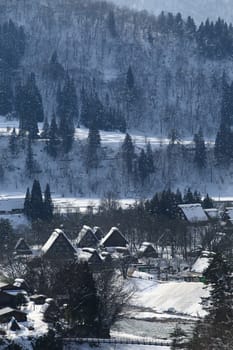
(24, 310)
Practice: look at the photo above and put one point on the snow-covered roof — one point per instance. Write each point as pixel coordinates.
(113, 231)
(53, 238)
(229, 212)
(212, 213)
(85, 255)
(202, 263)
(86, 231)
(193, 212)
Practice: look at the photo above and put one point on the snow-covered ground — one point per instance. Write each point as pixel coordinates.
(180, 297)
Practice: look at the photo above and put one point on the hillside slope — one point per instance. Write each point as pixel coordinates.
(175, 87)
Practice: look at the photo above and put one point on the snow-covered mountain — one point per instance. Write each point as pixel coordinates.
(176, 87)
(198, 9)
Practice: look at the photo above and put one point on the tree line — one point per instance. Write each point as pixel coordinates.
(35, 206)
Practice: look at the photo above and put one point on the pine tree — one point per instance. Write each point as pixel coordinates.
(142, 166)
(6, 98)
(127, 150)
(29, 107)
(130, 79)
(67, 111)
(30, 163)
(93, 148)
(13, 143)
(112, 24)
(188, 197)
(27, 204)
(208, 202)
(37, 208)
(48, 204)
(200, 149)
(55, 70)
(149, 159)
(53, 143)
(215, 331)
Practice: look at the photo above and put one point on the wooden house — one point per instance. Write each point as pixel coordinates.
(59, 247)
(7, 299)
(114, 238)
(86, 238)
(13, 325)
(7, 313)
(193, 213)
(147, 250)
(22, 248)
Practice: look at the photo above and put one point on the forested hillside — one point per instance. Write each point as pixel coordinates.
(155, 74)
(90, 64)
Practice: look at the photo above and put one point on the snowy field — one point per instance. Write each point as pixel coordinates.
(180, 297)
(110, 139)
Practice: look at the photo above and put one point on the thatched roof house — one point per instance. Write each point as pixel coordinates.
(22, 248)
(86, 238)
(114, 238)
(147, 250)
(58, 247)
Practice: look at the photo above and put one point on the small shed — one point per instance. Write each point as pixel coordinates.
(22, 248)
(38, 299)
(7, 299)
(90, 256)
(86, 238)
(147, 250)
(7, 313)
(114, 238)
(59, 247)
(13, 325)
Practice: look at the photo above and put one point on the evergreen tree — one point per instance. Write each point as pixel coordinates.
(208, 202)
(149, 159)
(27, 204)
(127, 150)
(30, 163)
(223, 145)
(29, 106)
(37, 208)
(54, 70)
(53, 143)
(200, 149)
(76, 281)
(6, 98)
(215, 331)
(188, 197)
(112, 24)
(48, 204)
(130, 79)
(67, 111)
(6, 236)
(93, 148)
(142, 166)
(13, 143)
